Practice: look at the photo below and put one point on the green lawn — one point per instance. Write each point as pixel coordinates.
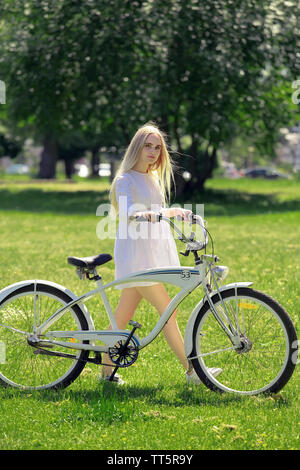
(256, 231)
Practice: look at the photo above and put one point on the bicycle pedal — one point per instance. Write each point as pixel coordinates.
(135, 324)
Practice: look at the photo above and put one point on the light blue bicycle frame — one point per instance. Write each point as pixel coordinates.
(188, 278)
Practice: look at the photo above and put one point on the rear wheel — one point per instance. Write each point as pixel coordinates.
(21, 364)
(267, 358)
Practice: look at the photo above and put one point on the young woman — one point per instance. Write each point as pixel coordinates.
(142, 187)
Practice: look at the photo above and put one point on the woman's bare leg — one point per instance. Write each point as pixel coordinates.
(158, 296)
(128, 302)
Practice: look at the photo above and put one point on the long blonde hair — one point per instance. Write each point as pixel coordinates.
(161, 170)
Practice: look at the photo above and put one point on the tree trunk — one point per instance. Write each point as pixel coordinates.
(48, 158)
(95, 161)
(200, 176)
(69, 168)
(181, 186)
(210, 163)
(201, 166)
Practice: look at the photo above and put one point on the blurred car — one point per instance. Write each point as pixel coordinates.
(261, 172)
(296, 169)
(17, 169)
(230, 170)
(104, 169)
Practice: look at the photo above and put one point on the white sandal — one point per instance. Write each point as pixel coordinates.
(194, 379)
(116, 379)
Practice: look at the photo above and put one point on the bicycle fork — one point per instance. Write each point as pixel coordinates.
(233, 333)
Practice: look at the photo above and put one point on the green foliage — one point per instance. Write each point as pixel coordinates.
(206, 71)
(9, 146)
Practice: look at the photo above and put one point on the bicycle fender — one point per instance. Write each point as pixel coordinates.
(188, 337)
(13, 287)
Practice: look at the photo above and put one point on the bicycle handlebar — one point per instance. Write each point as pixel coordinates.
(194, 219)
(193, 244)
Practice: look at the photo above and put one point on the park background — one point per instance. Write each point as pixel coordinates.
(221, 78)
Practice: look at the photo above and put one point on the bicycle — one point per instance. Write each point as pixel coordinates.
(47, 334)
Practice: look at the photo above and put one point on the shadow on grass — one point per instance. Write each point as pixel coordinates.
(180, 395)
(109, 404)
(233, 202)
(157, 395)
(175, 396)
(216, 201)
(58, 202)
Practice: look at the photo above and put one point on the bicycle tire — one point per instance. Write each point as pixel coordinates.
(23, 366)
(267, 362)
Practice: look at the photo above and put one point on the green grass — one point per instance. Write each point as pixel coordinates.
(256, 231)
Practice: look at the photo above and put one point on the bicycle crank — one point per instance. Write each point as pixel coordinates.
(122, 354)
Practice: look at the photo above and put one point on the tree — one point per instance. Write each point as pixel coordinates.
(72, 66)
(227, 72)
(204, 71)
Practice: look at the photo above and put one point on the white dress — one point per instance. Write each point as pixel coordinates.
(141, 245)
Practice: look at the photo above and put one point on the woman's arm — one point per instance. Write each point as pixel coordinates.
(124, 196)
(176, 211)
(167, 212)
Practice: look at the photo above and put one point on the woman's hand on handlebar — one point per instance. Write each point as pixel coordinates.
(185, 215)
(182, 214)
(149, 216)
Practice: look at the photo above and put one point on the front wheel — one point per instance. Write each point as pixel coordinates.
(267, 358)
(21, 364)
